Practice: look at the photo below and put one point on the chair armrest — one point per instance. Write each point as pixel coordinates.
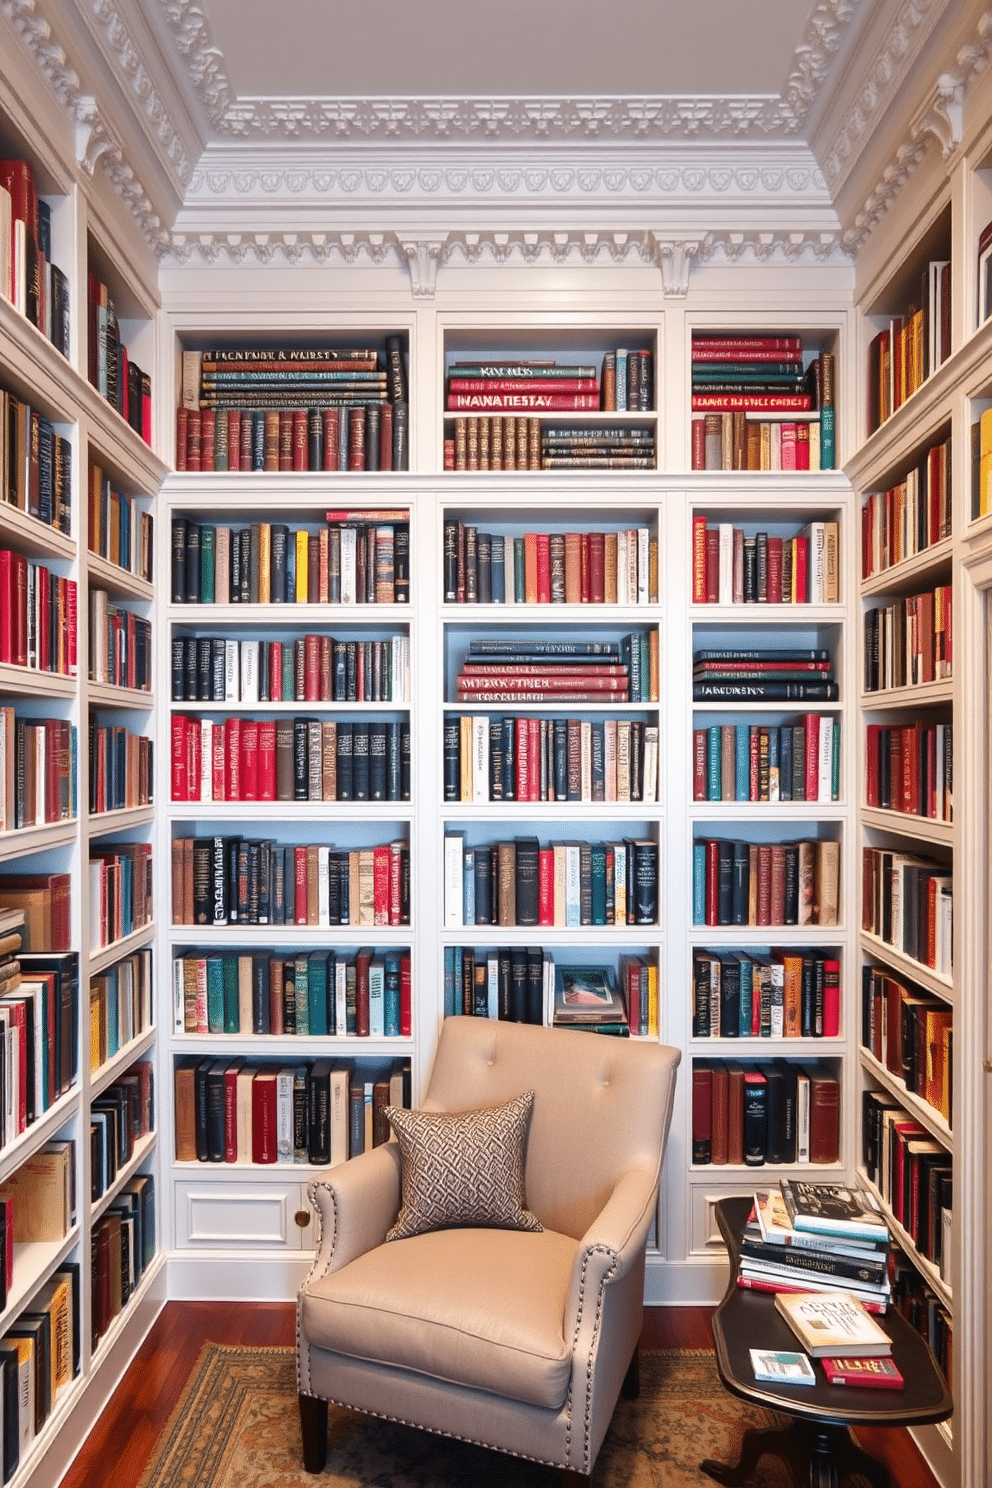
(356, 1205)
(614, 1241)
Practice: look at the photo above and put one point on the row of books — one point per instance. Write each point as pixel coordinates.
(775, 1112)
(731, 566)
(120, 528)
(498, 442)
(911, 345)
(120, 644)
(120, 1006)
(600, 567)
(38, 1201)
(981, 465)
(116, 377)
(318, 1112)
(35, 462)
(290, 759)
(310, 668)
(233, 880)
(522, 882)
(216, 376)
(360, 557)
(29, 278)
(40, 991)
(45, 901)
(574, 671)
(747, 439)
(521, 442)
(361, 432)
(912, 1171)
(778, 674)
(122, 768)
(524, 984)
(122, 890)
(39, 1358)
(735, 882)
(123, 1245)
(908, 902)
(909, 642)
(309, 993)
(787, 993)
(38, 770)
(798, 761)
(765, 374)
(37, 616)
(622, 1003)
(910, 768)
(120, 1117)
(910, 516)
(923, 1309)
(527, 758)
(911, 1034)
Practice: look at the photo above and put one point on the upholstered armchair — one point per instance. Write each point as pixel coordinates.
(517, 1338)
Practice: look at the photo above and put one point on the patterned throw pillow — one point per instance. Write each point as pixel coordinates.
(462, 1168)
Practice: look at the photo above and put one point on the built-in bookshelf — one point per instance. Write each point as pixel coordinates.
(77, 809)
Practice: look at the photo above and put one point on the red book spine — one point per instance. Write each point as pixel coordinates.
(311, 669)
(712, 565)
(585, 568)
(699, 560)
(180, 763)
(219, 763)
(194, 440)
(300, 885)
(523, 760)
(406, 997)
(263, 1117)
(831, 998)
(300, 439)
(287, 419)
(712, 881)
(193, 760)
(380, 885)
(698, 444)
(775, 595)
(699, 764)
(545, 886)
(812, 783)
(597, 567)
(182, 434)
(275, 671)
(824, 1120)
(362, 961)
(543, 568)
(249, 760)
(208, 434)
(267, 760)
(232, 777)
(234, 439)
(800, 569)
(534, 756)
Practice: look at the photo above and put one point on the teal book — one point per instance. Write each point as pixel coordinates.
(714, 763)
(391, 1005)
(742, 783)
(232, 1011)
(215, 994)
(301, 975)
(699, 883)
(208, 563)
(317, 991)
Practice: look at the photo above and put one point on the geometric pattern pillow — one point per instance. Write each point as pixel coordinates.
(462, 1168)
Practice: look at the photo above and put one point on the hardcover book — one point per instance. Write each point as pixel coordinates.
(833, 1325)
(832, 1209)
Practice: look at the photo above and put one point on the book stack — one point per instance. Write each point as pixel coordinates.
(789, 993)
(910, 346)
(766, 674)
(110, 370)
(279, 408)
(528, 671)
(319, 1112)
(731, 566)
(311, 993)
(28, 277)
(567, 883)
(602, 447)
(757, 405)
(233, 880)
(37, 463)
(773, 1112)
(38, 763)
(817, 1237)
(795, 761)
(735, 882)
(588, 997)
(45, 899)
(524, 385)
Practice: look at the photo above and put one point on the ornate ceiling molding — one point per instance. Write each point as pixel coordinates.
(939, 117)
(515, 119)
(147, 101)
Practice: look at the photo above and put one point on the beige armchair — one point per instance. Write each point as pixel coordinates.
(509, 1338)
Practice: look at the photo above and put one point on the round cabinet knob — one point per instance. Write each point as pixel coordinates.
(303, 1217)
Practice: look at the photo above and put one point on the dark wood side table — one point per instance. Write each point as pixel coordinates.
(817, 1443)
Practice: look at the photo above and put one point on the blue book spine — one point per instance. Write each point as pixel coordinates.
(498, 569)
(468, 886)
(747, 997)
(773, 765)
(699, 883)
(714, 763)
(785, 763)
(449, 981)
(742, 785)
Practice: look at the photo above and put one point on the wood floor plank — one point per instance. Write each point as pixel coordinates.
(128, 1429)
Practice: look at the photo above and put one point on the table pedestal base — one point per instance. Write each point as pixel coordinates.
(820, 1456)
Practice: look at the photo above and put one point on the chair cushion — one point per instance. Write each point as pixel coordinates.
(483, 1308)
(462, 1167)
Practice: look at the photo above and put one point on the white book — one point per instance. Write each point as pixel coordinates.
(339, 1111)
(480, 757)
(573, 885)
(815, 559)
(623, 568)
(825, 759)
(726, 563)
(623, 759)
(341, 1002)
(492, 984)
(6, 245)
(284, 1114)
(559, 863)
(802, 1116)
(610, 759)
(349, 565)
(377, 997)
(249, 671)
(778, 999)
(585, 760)
(324, 884)
(243, 1111)
(178, 996)
(643, 566)
(206, 784)
(454, 852)
(232, 672)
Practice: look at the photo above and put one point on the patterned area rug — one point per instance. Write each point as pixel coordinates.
(236, 1426)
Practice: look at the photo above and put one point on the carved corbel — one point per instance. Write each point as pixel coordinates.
(423, 255)
(942, 114)
(92, 139)
(673, 257)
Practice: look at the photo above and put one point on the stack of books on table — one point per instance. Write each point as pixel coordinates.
(816, 1237)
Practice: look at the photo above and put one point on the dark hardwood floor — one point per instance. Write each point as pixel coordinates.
(128, 1429)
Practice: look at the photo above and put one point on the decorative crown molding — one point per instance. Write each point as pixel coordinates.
(139, 82)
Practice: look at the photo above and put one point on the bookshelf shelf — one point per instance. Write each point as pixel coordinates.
(923, 1112)
(23, 840)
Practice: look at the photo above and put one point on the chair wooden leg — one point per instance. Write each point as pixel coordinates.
(568, 1478)
(631, 1387)
(313, 1428)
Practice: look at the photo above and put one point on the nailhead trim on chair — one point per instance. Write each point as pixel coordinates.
(599, 1250)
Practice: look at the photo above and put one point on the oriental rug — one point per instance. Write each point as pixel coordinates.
(236, 1426)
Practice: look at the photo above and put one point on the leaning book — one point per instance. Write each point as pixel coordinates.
(833, 1325)
(588, 995)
